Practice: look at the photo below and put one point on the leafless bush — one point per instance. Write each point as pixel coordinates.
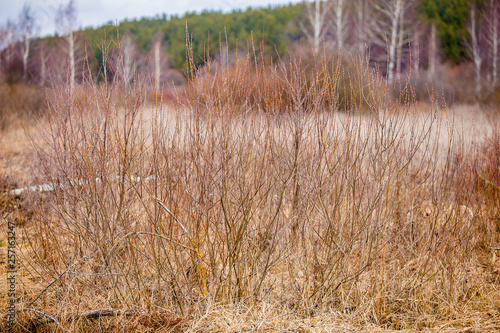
(227, 199)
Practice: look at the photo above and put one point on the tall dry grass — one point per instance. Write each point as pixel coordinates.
(267, 192)
(19, 103)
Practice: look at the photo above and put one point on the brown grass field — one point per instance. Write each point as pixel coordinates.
(272, 198)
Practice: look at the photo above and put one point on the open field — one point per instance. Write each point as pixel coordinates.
(253, 204)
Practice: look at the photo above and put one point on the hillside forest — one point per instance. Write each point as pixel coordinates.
(450, 43)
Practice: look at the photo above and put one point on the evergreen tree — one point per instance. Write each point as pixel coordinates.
(450, 18)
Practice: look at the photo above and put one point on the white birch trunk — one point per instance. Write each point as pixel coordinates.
(316, 16)
(43, 70)
(476, 56)
(66, 18)
(494, 41)
(157, 62)
(432, 51)
(71, 52)
(397, 8)
(494, 55)
(339, 23)
(26, 52)
(317, 25)
(27, 27)
(415, 47)
(360, 15)
(128, 59)
(399, 44)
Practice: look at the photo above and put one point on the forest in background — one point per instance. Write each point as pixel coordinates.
(452, 43)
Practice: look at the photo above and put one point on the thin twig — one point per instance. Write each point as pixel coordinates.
(146, 233)
(172, 214)
(193, 243)
(60, 275)
(48, 319)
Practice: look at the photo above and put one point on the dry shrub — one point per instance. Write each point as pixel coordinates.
(489, 163)
(484, 170)
(480, 166)
(455, 84)
(226, 201)
(300, 83)
(20, 103)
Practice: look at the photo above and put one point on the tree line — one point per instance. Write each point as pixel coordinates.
(394, 35)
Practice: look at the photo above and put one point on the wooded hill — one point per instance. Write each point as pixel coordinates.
(390, 32)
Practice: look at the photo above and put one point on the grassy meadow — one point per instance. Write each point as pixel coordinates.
(307, 195)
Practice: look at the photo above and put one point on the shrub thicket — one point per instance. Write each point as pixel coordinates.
(254, 193)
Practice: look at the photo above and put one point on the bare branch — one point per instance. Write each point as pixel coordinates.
(56, 279)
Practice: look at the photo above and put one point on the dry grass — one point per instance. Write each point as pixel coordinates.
(279, 212)
(19, 104)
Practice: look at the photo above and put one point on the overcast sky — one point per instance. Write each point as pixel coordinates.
(98, 12)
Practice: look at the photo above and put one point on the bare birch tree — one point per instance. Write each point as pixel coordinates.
(339, 22)
(363, 12)
(401, 38)
(128, 50)
(390, 32)
(473, 46)
(410, 24)
(66, 18)
(27, 29)
(392, 9)
(316, 13)
(491, 36)
(43, 63)
(431, 15)
(415, 50)
(415, 37)
(432, 50)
